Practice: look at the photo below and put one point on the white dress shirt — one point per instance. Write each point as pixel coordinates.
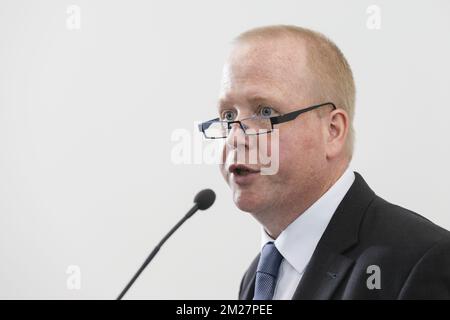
(298, 241)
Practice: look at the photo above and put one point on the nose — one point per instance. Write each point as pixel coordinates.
(236, 136)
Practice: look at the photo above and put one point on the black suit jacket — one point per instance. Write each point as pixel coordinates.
(412, 254)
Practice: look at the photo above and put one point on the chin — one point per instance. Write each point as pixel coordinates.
(248, 201)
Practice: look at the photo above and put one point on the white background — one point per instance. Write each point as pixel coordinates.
(86, 118)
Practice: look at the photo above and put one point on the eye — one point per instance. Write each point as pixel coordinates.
(228, 115)
(266, 111)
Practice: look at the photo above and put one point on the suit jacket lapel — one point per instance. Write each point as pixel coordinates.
(248, 285)
(328, 264)
(322, 276)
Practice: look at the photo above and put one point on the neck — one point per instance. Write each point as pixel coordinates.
(276, 219)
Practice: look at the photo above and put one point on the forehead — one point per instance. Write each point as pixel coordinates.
(258, 70)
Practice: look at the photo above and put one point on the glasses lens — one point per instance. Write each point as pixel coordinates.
(252, 126)
(216, 129)
(257, 125)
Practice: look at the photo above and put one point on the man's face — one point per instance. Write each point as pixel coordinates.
(271, 78)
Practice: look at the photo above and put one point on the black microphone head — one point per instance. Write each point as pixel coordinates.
(204, 199)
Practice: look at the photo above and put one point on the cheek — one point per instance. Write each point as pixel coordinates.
(222, 170)
(222, 165)
(297, 150)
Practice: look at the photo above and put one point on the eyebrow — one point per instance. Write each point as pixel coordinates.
(251, 101)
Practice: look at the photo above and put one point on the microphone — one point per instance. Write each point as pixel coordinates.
(202, 201)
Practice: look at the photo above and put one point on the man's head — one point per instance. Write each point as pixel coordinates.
(272, 71)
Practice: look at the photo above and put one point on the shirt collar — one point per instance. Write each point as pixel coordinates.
(298, 241)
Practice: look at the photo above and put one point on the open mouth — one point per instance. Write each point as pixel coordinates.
(241, 170)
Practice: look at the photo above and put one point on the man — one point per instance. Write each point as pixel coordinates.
(325, 233)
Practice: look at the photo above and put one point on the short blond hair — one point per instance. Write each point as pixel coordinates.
(327, 64)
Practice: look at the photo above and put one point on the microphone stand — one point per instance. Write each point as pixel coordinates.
(155, 251)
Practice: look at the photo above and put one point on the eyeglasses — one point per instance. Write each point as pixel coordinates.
(255, 125)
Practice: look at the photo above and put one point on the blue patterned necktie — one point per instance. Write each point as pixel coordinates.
(267, 272)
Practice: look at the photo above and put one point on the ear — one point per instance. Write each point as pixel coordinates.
(336, 131)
